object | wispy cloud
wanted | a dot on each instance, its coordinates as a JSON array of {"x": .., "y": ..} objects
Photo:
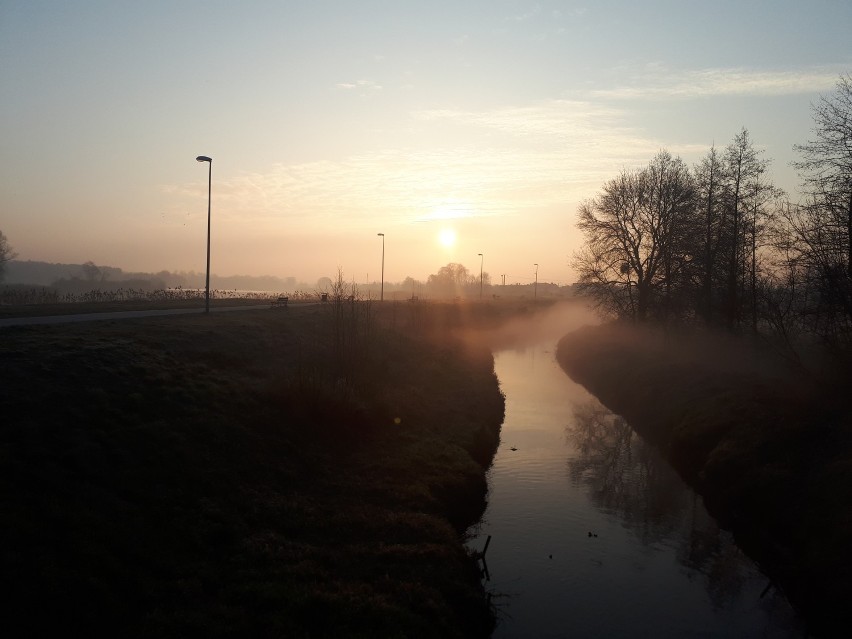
[
  {"x": 502, "y": 161},
  {"x": 358, "y": 84},
  {"x": 657, "y": 83},
  {"x": 534, "y": 11},
  {"x": 512, "y": 160}
]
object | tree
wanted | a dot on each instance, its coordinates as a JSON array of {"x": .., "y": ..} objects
[
  {"x": 826, "y": 166},
  {"x": 6, "y": 254},
  {"x": 763, "y": 200},
  {"x": 635, "y": 232},
  {"x": 451, "y": 280},
  {"x": 671, "y": 196},
  {"x": 821, "y": 228},
  {"x": 743, "y": 168},
  {"x": 711, "y": 193},
  {"x": 92, "y": 272}
]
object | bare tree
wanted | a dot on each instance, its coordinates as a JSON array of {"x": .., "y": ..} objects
[
  {"x": 6, "y": 254},
  {"x": 711, "y": 193},
  {"x": 821, "y": 229},
  {"x": 812, "y": 253},
  {"x": 764, "y": 199},
  {"x": 633, "y": 231},
  {"x": 451, "y": 280},
  {"x": 826, "y": 166},
  {"x": 743, "y": 167},
  {"x": 670, "y": 194}
]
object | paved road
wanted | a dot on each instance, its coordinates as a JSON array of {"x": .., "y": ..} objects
[{"x": 89, "y": 317}]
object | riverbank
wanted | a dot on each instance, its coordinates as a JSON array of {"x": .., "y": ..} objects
[
  {"x": 770, "y": 453},
  {"x": 305, "y": 472}
]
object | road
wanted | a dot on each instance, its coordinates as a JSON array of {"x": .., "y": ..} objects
[{"x": 90, "y": 317}]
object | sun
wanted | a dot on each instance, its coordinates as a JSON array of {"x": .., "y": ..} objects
[{"x": 447, "y": 238}]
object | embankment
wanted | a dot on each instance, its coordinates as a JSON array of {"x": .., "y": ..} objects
[
  {"x": 770, "y": 454},
  {"x": 266, "y": 473}
]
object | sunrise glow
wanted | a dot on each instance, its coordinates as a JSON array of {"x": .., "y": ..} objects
[
  {"x": 447, "y": 238},
  {"x": 327, "y": 126}
]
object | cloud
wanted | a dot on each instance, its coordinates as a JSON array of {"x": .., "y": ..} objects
[
  {"x": 471, "y": 163},
  {"x": 510, "y": 161},
  {"x": 656, "y": 82},
  {"x": 358, "y": 84},
  {"x": 523, "y": 17},
  {"x": 566, "y": 127}
]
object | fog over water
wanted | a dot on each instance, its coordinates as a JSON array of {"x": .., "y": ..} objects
[{"x": 593, "y": 533}]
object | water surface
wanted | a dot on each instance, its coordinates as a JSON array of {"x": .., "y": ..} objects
[{"x": 594, "y": 535}]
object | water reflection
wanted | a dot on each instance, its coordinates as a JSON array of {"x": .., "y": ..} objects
[
  {"x": 628, "y": 477},
  {"x": 656, "y": 564}
]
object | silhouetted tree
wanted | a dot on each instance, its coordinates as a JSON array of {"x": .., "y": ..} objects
[
  {"x": 92, "y": 272},
  {"x": 451, "y": 280},
  {"x": 743, "y": 168},
  {"x": 6, "y": 254},
  {"x": 635, "y": 238},
  {"x": 763, "y": 201},
  {"x": 671, "y": 196},
  {"x": 821, "y": 229},
  {"x": 711, "y": 194},
  {"x": 826, "y": 165}
]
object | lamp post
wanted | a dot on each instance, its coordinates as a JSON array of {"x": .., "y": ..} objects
[
  {"x": 382, "y": 294},
  {"x": 204, "y": 158},
  {"x": 535, "y": 288},
  {"x": 481, "y": 260}
]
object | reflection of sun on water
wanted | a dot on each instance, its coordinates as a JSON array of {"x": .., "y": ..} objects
[{"x": 447, "y": 237}]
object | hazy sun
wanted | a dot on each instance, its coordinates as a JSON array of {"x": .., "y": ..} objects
[{"x": 447, "y": 238}]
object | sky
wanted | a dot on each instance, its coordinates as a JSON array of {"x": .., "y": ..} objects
[{"x": 453, "y": 127}]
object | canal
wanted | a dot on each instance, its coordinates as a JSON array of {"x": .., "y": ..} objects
[{"x": 595, "y": 535}]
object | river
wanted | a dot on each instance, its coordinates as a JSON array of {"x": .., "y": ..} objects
[{"x": 594, "y": 534}]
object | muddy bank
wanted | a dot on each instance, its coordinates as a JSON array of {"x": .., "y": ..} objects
[{"x": 770, "y": 454}]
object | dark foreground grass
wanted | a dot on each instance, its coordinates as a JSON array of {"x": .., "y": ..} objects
[
  {"x": 770, "y": 453},
  {"x": 236, "y": 475}
]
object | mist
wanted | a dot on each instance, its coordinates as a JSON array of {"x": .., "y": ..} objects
[{"x": 538, "y": 326}]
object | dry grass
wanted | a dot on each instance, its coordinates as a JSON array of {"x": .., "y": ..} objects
[{"x": 228, "y": 475}]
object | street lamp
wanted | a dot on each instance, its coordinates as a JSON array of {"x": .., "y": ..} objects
[
  {"x": 535, "y": 288},
  {"x": 382, "y": 294},
  {"x": 481, "y": 260},
  {"x": 204, "y": 158}
]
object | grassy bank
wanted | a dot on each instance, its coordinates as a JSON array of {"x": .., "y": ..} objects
[
  {"x": 264, "y": 473},
  {"x": 770, "y": 453}
]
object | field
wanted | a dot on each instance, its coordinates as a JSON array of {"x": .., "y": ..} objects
[{"x": 304, "y": 472}]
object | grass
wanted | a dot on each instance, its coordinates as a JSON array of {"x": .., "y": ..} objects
[
  {"x": 770, "y": 452},
  {"x": 232, "y": 475}
]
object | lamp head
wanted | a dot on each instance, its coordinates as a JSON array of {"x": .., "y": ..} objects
[
  {"x": 204, "y": 158},
  {"x": 380, "y": 234}
]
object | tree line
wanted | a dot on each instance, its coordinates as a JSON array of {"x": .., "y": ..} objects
[{"x": 718, "y": 244}]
